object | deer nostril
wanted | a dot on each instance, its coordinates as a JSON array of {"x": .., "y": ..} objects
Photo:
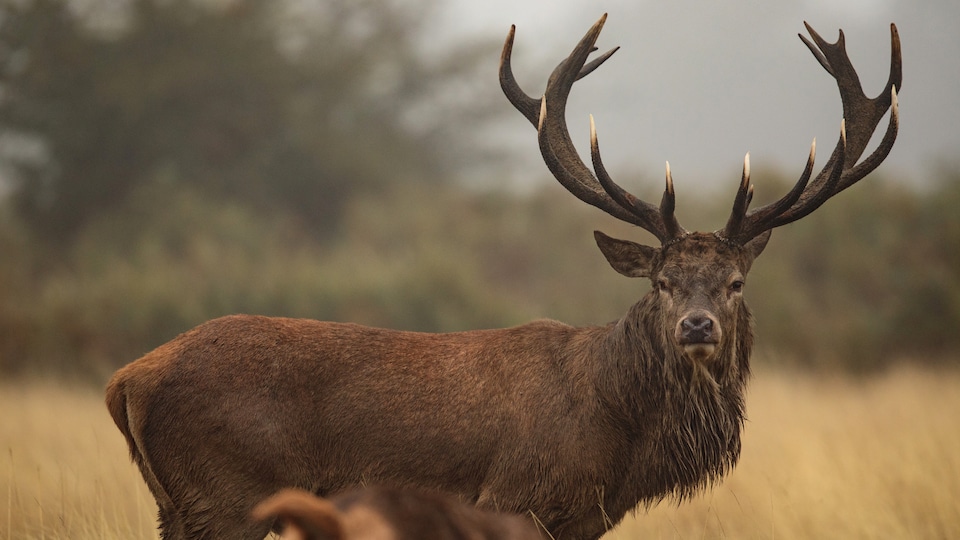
[
  {"x": 697, "y": 328},
  {"x": 698, "y": 323}
]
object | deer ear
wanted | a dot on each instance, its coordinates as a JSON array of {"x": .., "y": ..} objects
[
  {"x": 754, "y": 248},
  {"x": 628, "y": 258}
]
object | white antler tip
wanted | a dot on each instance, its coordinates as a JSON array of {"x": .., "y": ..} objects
[
  {"x": 746, "y": 167},
  {"x": 543, "y": 112},
  {"x": 594, "y": 145}
]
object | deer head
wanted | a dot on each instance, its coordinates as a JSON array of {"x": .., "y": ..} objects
[{"x": 698, "y": 277}]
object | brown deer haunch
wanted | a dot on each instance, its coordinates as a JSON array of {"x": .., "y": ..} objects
[{"x": 574, "y": 426}]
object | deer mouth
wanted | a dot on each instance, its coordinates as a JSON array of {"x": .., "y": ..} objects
[{"x": 699, "y": 352}]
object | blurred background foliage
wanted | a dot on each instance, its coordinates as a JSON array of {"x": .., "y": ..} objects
[{"x": 164, "y": 162}]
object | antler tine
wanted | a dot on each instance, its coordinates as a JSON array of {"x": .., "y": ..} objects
[
  {"x": 660, "y": 222},
  {"x": 528, "y": 106},
  {"x": 668, "y": 204},
  {"x": 741, "y": 201},
  {"x": 861, "y": 117},
  {"x": 871, "y": 162},
  {"x": 557, "y": 148},
  {"x": 595, "y": 63},
  {"x": 588, "y": 193},
  {"x": 813, "y": 198},
  {"x": 765, "y": 215}
]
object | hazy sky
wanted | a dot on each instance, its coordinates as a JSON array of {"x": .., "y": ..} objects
[{"x": 702, "y": 83}]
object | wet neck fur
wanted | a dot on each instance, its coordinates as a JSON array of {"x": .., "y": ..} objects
[{"x": 686, "y": 425}]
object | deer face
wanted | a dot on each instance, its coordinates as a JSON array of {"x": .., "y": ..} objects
[{"x": 698, "y": 282}]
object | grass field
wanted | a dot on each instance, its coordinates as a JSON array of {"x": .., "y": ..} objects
[{"x": 822, "y": 458}]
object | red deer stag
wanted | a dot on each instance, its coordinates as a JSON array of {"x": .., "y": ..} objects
[
  {"x": 383, "y": 513},
  {"x": 575, "y": 426}
]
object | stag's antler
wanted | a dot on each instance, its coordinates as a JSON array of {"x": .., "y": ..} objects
[
  {"x": 547, "y": 115},
  {"x": 861, "y": 117}
]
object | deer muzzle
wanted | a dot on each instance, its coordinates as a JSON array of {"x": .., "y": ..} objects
[{"x": 698, "y": 333}]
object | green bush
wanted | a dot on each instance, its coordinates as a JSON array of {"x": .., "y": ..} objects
[{"x": 869, "y": 279}]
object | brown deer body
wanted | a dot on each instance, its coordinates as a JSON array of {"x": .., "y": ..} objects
[{"x": 574, "y": 426}]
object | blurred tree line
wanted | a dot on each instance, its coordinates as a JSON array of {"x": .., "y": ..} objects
[
  {"x": 164, "y": 162},
  {"x": 289, "y": 106}
]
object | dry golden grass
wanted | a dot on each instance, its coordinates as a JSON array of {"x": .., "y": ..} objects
[
  {"x": 822, "y": 458},
  {"x": 833, "y": 458},
  {"x": 67, "y": 472}
]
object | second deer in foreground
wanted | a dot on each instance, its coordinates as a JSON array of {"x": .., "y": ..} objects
[
  {"x": 379, "y": 513},
  {"x": 573, "y": 426}
]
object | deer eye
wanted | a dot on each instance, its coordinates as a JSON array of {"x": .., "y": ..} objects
[{"x": 736, "y": 286}]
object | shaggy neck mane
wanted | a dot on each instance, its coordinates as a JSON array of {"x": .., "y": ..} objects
[{"x": 686, "y": 425}]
